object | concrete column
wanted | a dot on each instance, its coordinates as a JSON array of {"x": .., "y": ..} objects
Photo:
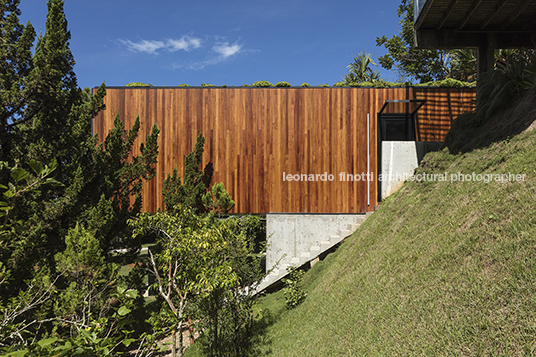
[{"x": 485, "y": 56}]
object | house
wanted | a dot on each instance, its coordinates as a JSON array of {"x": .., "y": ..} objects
[{"x": 308, "y": 158}]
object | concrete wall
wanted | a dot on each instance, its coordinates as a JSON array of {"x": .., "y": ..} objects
[
  {"x": 289, "y": 235},
  {"x": 399, "y": 161}
]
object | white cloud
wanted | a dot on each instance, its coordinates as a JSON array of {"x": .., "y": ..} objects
[
  {"x": 151, "y": 47},
  {"x": 224, "y": 50},
  {"x": 184, "y": 43},
  {"x": 216, "y": 49}
]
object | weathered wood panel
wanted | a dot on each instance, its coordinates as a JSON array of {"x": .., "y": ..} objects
[{"x": 254, "y": 135}]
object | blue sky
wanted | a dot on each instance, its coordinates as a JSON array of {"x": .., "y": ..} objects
[{"x": 230, "y": 42}]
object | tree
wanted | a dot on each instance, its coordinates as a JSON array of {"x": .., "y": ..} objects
[
  {"x": 226, "y": 314},
  {"x": 210, "y": 264},
  {"x": 194, "y": 186},
  {"x": 193, "y": 192},
  {"x": 423, "y": 65},
  {"x": 360, "y": 71},
  {"x": 189, "y": 262},
  {"x": 101, "y": 185},
  {"x": 46, "y": 125},
  {"x": 15, "y": 61}
]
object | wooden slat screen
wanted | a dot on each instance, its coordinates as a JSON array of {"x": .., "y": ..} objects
[{"x": 254, "y": 135}]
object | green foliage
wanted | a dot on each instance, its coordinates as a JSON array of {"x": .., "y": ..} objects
[
  {"x": 323, "y": 85},
  {"x": 377, "y": 84},
  {"x": 86, "y": 281},
  {"x": 82, "y": 258},
  {"x": 218, "y": 200},
  {"x": 226, "y": 315},
  {"x": 66, "y": 199},
  {"x": 192, "y": 190},
  {"x": 502, "y": 87},
  {"x": 495, "y": 118},
  {"x": 138, "y": 84},
  {"x": 262, "y": 84},
  {"x": 463, "y": 65},
  {"x": 359, "y": 70},
  {"x": 15, "y": 56},
  {"x": 208, "y": 85},
  {"x": 305, "y": 84},
  {"x": 23, "y": 183},
  {"x": 282, "y": 84},
  {"x": 183, "y": 85},
  {"x": 97, "y": 337},
  {"x": 206, "y": 271},
  {"x": 423, "y": 65},
  {"x": 449, "y": 83},
  {"x": 194, "y": 261},
  {"x": 294, "y": 294}
]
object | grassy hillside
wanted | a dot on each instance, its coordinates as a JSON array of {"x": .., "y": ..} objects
[{"x": 441, "y": 269}]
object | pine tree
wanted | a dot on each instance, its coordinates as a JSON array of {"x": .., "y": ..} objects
[
  {"x": 101, "y": 185},
  {"x": 193, "y": 188},
  {"x": 56, "y": 231},
  {"x": 15, "y": 63}
]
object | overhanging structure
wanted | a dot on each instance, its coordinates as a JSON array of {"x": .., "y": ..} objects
[
  {"x": 278, "y": 150},
  {"x": 482, "y": 24}
]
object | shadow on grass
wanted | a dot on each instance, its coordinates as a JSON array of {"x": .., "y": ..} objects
[{"x": 471, "y": 131}]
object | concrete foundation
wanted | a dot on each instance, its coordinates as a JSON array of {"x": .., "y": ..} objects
[
  {"x": 291, "y": 237},
  {"x": 399, "y": 161}
]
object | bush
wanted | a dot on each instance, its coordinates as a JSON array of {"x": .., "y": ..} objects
[
  {"x": 323, "y": 85},
  {"x": 305, "y": 84},
  {"x": 294, "y": 294},
  {"x": 378, "y": 84},
  {"x": 208, "y": 85},
  {"x": 282, "y": 84},
  {"x": 183, "y": 85},
  {"x": 262, "y": 84},
  {"x": 138, "y": 84},
  {"x": 448, "y": 82}
]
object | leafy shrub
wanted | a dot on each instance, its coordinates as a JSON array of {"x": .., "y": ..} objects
[
  {"x": 378, "y": 84},
  {"x": 502, "y": 87},
  {"x": 282, "y": 84},
  {"x": 183, "y": 85},
  {"x": 448, "y": 82},
  {"x": 262, "y": 84},
  {"x": 305, "y": 84},
  {"x": 323, "y": 85},
  {"x": 294, "y": 294},
  {"x": 339, "y": 84},
  {"x": 138, "y": 84},
  {"x": 208, "y": 85}
]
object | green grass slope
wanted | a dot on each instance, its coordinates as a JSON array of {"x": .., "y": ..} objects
[{"x": 441, "y": 269}]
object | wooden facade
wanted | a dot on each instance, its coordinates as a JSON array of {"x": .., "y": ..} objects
[{"x": 256, "y": 137}]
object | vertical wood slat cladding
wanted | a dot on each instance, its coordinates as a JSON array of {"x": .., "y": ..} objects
[
  {"x": 253, "y": 135},
  {"x": 442, "y": 107}
]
